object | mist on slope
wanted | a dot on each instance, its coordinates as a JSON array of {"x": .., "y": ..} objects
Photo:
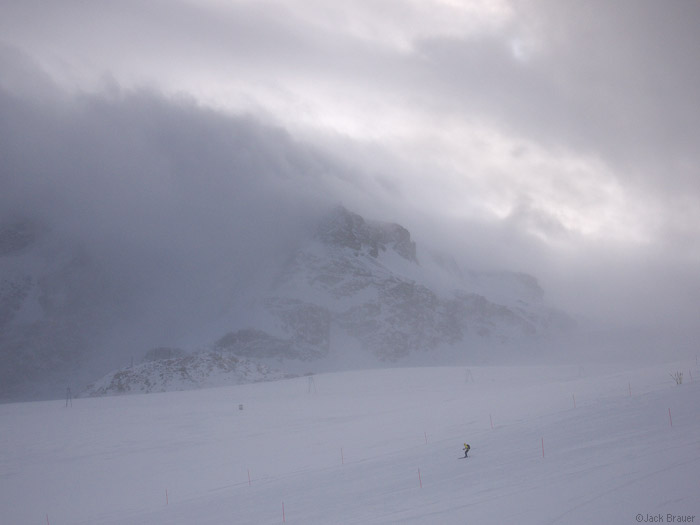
[{"x": 156, "y": 213}]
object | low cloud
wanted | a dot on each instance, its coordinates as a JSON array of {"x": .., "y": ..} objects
[{"x": 553, "y": 138}]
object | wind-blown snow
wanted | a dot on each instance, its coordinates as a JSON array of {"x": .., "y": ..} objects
[{"x": 348, "y": 447}]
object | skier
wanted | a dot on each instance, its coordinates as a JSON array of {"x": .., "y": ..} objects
[{"x": 466, "y": 450}]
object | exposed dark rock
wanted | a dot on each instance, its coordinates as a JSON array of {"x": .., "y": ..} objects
[{"x": 349, "y": 230}]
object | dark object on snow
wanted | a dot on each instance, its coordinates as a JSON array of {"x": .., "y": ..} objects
[{"x": 466, "y": 450}]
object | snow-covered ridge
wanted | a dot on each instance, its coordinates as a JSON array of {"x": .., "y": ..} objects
[
  {"x": 363, "y": 281},
  {"x": 354, "y": 287},
  {"x": 204, "y": 369}
]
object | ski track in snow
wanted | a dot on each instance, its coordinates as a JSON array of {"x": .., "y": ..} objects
[{"x": 350, "y": 450}]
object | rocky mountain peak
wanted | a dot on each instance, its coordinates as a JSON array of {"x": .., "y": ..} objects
[{"x": 345, "y": 229}]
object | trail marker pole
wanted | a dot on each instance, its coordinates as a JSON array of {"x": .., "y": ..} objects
[
  {"x": 420, "y": 482},
  {"x": 468, "y": 377}
]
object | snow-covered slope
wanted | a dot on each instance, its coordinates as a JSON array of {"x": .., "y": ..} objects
[
  {"x": 361, "y": 285},
  {"x": 550, "y": 445}
]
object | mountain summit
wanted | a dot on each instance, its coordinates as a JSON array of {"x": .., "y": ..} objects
[
  {"x": 344, "y": 229},
  {"x": 356, "y": 292}
]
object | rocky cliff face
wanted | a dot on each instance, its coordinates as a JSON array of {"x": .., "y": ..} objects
[
  {"x": 363, "y": 280},
  {"x": 349, "y": 231}
]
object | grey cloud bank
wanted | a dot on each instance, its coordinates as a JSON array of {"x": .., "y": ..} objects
[{"x": 184, "y": 143}]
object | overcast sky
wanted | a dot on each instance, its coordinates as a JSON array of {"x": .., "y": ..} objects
[{"x": 555, "y": 137}]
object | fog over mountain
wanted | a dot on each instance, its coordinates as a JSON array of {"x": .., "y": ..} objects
[
  {"x": 166, "y": 173},
  {"x": 128, "y": 232}
]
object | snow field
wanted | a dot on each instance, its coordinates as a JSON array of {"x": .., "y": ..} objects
[{"x": 349, "y": 450}]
